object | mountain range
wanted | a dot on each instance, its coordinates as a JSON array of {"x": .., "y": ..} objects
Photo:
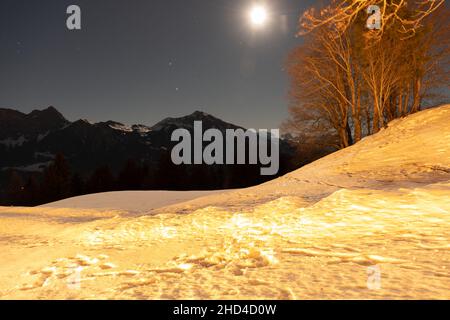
[{"x": 29, "y": 142}]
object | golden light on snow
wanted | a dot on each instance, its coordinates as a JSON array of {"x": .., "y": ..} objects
[
  {"x": 258, "y": 15},
  {"x": 372, "y": 222},
  {"x": 185, "y": 266}
]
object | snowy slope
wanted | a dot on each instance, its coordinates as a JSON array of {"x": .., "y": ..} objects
[
  {"x": 380, "y": 207},
  {"x": 138, "y": 202}
]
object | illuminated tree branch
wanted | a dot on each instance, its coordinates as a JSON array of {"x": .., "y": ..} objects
[{"x": 340, "y": 14}]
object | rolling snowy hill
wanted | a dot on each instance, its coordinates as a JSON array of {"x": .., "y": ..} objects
[{"x": 380, "y": 207}]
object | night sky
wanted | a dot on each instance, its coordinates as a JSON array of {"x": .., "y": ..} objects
[{"x": 139, "y": 61}]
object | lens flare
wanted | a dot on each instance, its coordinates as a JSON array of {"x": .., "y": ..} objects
[{"x": 258, "y": 15}]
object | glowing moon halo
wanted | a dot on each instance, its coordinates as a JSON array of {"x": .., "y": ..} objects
[{"x": 258, "y": 16}]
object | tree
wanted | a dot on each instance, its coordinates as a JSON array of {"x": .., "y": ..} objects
[
  {"x": 342, "y": 14},
  {"x": 170, "y": 176},
  {"x": 77, "y": 185},
  {"x": 346, "y": 83},
  {"x": 325, "y": 84},
  {"x": 31, "y": 191},
  {"x": 56, "y": 184},
  {"x": 15, "y": 190},
  {"x": 102, "y": 180},
  {"x": 130, "y": 177},
  {"x": 310, "y": 133}
]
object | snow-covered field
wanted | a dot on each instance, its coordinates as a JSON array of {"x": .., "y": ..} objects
[
  {"x": 137, "y": 202},
  {"x": 371, "y": 221}
]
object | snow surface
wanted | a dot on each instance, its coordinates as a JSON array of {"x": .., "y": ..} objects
[
  {"x": 10, "y": 142},
  {"x": 121, "y": 127},
  {"x": 322, "y": 231},
  {"x": 131, "y": 201},
  {"x": 35, "y": 167},
  {"x": 141, "y": 129}
]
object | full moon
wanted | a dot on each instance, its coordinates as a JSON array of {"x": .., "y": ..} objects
[{"x": 258, "y": 15}]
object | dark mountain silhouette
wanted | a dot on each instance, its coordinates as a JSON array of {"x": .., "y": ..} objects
[
  {"x": 15, "y": 124},
  {"x": 30, "y": 142}
]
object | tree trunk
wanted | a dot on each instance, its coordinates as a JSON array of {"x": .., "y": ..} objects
[
  {"x": 376, "y": 116},
  {"x": 357, "y": 117},
  {"x": 416, "y": 101},
  {"x": 349, "y": 135}
]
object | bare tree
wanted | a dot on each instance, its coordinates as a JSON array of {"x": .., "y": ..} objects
[
  {"x": 325, "y": 76},
  {"x": 382, "y": 74},
  {"x": 342, "y": 14},
  {"x": 346, "y": 85}
]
